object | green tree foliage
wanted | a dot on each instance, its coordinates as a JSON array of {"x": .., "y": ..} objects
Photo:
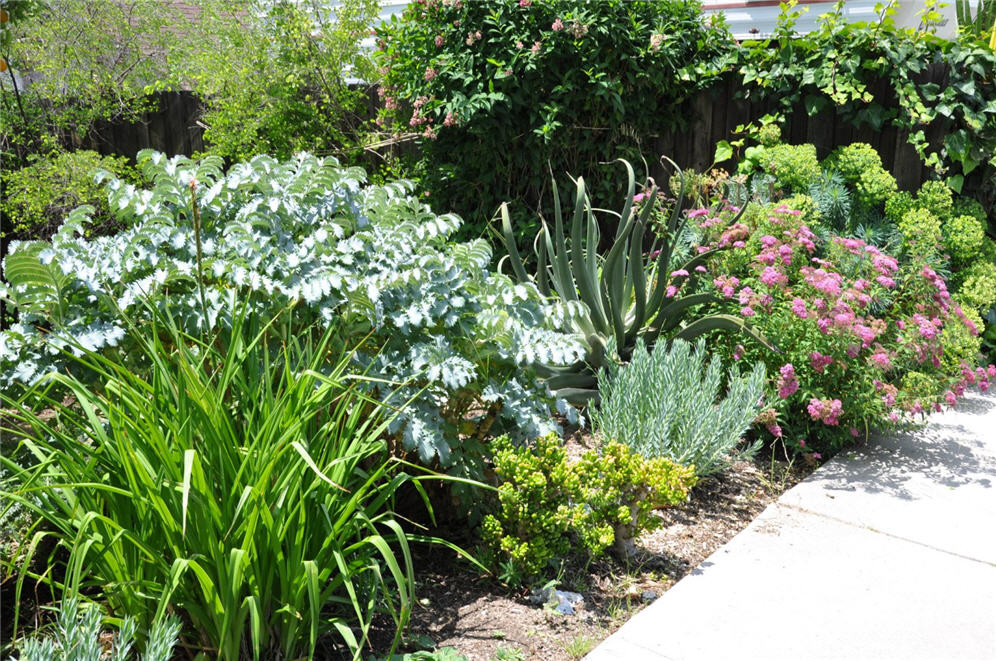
[
  {"x": 498, "y": 92},
  {"x": 273, "y": 75},
  {"x": 72, "y": 62}
]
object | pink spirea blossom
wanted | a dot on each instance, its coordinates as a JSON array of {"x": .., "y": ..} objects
[
  {"x": 772, "y": 276},
  {"x": 727, "y": 285},
  {"x": 775, "y": 430},
  {"x": 557, "y": 26},
  {"x": 819, "y": 362},
  {"x": 439, "y": 40},
  {"x": 747, "y": 311},
  {"x": 799, "y": 308},
  {"x": 881, "y": 359},
  {"x": 788, "y": 384},
  {"x": 885, "y": 281},
  {"x": 430, "y": 73},
  {"x": 825, "y": 410}
]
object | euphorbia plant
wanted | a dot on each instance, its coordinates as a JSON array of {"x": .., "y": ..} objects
[{"x": 615, "y": 297}]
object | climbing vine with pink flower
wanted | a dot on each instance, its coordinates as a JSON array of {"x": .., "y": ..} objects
[{"x": 498, "y": 93}]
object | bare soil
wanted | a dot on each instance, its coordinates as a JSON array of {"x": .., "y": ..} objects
[{"x": 484, "y": 620}]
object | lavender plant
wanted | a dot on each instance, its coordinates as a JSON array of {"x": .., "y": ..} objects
[
  {"x": 669, "y": 403},
  {"x": 76, "y": 636}
]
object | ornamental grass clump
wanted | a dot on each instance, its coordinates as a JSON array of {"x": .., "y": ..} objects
[
  {"x": 670, "y": 403},
  {"x": 242, "y": 481}
]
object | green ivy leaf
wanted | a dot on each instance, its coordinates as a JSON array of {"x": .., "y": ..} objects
[{"x": 724, "y": 152}]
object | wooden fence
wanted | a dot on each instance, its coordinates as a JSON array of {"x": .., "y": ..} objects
[
  {"x": 172, "y": 129},
  {"x": 715, "y": 113}
]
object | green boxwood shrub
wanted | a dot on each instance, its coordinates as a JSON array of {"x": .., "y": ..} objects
[{"x": 550, "y": 507}]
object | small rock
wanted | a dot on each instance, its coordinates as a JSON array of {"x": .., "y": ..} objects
[
  {"x": 561, "y": 601},
  {"x": 648, "y": 596}
]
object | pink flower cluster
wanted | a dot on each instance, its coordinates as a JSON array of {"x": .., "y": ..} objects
[
  {"x": 788, "y": 384},
  {"x": 825, "y": 410},
  {"x": 819, "y": 362},
  {"x": 849, "y": 306}
]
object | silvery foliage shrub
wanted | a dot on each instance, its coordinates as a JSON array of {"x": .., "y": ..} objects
[
  {"x": 76, "y": 637},
  {"x": 305, "y": 232},
  {"x": 668, "y": 403}
]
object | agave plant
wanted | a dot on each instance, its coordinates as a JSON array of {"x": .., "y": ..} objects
[{"x": 614, "y": 299}]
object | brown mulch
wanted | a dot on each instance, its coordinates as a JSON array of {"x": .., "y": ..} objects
[{"x": 484, "y": 620}]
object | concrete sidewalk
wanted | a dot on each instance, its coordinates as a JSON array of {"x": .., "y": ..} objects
[{"x": 886, "y": 552}]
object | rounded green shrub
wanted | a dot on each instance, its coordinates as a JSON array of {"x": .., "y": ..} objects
[
  {"x": 621, "y": 489},
  {"x": 550, "y": 507},
  {"x": 769, "y": 134},
  {"x": 861, "y": 166},
  {"x": 960, "y": 344},
  {"x": 537, "y": 503},
  {"x": 967, "y": 206},
  {"x": 795, "y": 167},
  {"x": 38, "y": 197},
  {"x": 978, "y": 286},
  {"x": 936, "y": 197},
  {"x": 963, "y": 238},
  {"x": 898, "y": 205},
  {"x": 921, "y": 231}
]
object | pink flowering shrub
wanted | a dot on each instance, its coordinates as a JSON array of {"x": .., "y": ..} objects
[{"x": 851, "y": 321}]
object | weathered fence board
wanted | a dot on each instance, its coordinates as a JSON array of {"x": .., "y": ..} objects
[{"x": 714, "y": 114}]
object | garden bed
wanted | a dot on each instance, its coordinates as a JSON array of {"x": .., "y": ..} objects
[{"x": 483, "y": 620}]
